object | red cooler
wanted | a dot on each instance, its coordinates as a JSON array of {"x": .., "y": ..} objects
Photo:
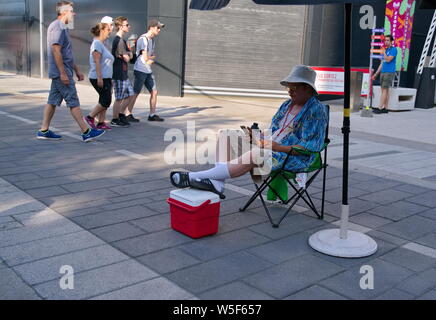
[{"x": 194, "y": 213}]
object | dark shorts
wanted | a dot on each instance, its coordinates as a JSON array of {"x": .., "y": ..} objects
[
  {"x": 105, "y": 93},
  {"x": 144, "y": 79},
  {"x": 386, "y": 80},
  {"x": 60, "y": 92}
]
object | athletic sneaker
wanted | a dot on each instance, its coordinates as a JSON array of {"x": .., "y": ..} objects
[
  {"x": 103, "y": 126},
  {"x": 123, "y": 119},
  {"x": 377, "y": 111},
  {"x": 155, "y": 118},
  {"x": 49, "y": 135},
  {"x": 119, "y": 124},
  {"x": 90, "y": 122},
  {"x": 92, "y": 134},
  {"x": 384, "y": 111},
  {"x": 131, "y": 118}
]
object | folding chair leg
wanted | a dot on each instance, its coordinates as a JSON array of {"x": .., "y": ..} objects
[{"x": 255, "y": 195}]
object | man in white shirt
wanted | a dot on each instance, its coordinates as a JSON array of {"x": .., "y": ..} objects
[{"x": 143, "y": 71}]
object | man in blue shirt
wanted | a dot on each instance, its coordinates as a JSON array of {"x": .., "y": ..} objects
[{"x": 387, "y": 68}]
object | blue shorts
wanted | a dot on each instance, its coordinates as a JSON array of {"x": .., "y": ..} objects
[
  {"x": 60, "y": 92},
  {"x": 144, "y": 79}
]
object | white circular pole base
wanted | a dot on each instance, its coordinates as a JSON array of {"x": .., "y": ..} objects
[{"x": 357, "y": 245}]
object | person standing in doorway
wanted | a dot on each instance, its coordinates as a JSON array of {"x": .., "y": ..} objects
[
  {"x": 61, "y": 68},
  {"x": 387, "y": 69},
  {"x": 143, "y": 71}
]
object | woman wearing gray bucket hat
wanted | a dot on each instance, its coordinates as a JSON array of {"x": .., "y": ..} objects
[{"x": 300, "y": 122}]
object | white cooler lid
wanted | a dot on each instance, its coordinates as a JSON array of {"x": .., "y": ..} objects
[{"x": 194, "y": 197}]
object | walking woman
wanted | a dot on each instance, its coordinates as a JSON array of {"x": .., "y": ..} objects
[{"x": 100, "y": 75}]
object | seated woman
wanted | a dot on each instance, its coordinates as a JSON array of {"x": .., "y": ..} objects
[{"x": 300, "y": 122}]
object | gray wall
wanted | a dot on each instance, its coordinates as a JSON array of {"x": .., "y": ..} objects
[
  {"x": 243, "y": 45},
  {"x": 13, "y": 36}
]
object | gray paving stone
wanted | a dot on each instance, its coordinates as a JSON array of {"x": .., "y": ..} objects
[
  {"x": 386, "y": 196},
  {"x": 335, "y": 196},
  {"x": 19, "y": 204},
  {"x": 356, "y": 206},
  {"x": 10, "y": 226},
  {"x": 8, "y": 189},
  {"x": 44, "y": 183},
  {"x": 7, "y": 219},
  {"x": 38, "y": 229},
  {"x": 138, "y": 202},
  {"x": 117, "y": 232},
  {"x": 86, "y": 259},
  {"x": 398, "y": 210},
  {"x": 13, "y": 288},
  {"x": 316, "y": 293},
  {"x": 49, "y": 247},
  {"x": 395, "y": 294},
  {"x": 156, "y": 289},
  {"x": 142, "y": 245},
  {"x": 142, "y": 187},
  {"x": 60, "y": 201},
  {"x": 240, "y": 220},
  {"x": 168, "y": 260},
  {"x": 427, "y": 199},
  {"x": 410, "y": 188},
  {"x": 101, "y": 183},
  {"x": 220, "y": 245},
  {"x": 21, "y": 177},
  {"x": 111, "y": 217},
  {"x": 152, "y": 224},
  {"x": 431, "y": 214},
  {"x": 233, "y": 206},
  {"x": 411, "y": 228},
  {"x": 377, "y": 235},
  {"x": 44, "y": 192},
  {"x": 215, "y": 273},
  {"x": 235, "y": 291},
  {"x": 158, "y": 206},
  {"x": 369, "y": 220},
  {"x": 293, "y": 224},
  {"x": 292, "y": 276},
  {"x": 429, "y": 296},
  {"x": 419, "y": 284},
  {"x": 409, "y": 259},
  {"x": 285, "y": 249},
  {"x": 428, "y": 240},
  {"x": 84, "y": 208},
  {"x": 378, "y": 184},
  {"x": 99, "y": 281},
  {"x": 363, "y": 177},
  {"x": 386, "y": 277}
]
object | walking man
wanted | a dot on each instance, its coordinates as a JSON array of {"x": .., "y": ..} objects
[
  {"x": 143, "y": 71},
  {"x": 61, "y": 67},
  {"x": 387, "y": 68},
  {"x": 121, "y": 83}
]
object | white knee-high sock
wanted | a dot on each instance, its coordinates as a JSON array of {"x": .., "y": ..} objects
[{"x": 217, "y": 175}]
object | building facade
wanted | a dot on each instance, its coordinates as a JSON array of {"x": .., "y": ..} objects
[{"x": 241, "y": 49}]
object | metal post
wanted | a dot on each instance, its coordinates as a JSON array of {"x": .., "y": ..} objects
[
  {"x": 347, "y": 122},
  {"x": 41, "y": 37}
]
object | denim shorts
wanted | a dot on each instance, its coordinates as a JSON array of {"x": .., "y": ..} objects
[
  {"x": 144, "y": 79},
  {"x": 60, "y": 92},
  {"x": 105, "y": 93}
]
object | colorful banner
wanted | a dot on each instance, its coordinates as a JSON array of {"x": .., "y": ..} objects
[{"x": 399, "y": 24}]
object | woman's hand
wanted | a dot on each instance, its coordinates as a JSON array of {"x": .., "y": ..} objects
[{"x": 100, "y": 83}]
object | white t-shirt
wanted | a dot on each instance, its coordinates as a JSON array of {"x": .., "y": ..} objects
[{"x": 144, "y": 44}]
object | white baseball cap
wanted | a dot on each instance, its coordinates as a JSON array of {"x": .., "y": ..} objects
[{"x": 107, "y": 19}]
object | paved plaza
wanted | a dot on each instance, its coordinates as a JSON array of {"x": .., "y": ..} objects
[{"x": 101, "y": 208}]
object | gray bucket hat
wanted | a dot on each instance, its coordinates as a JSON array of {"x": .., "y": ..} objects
[{"x": 301, "y": 74}]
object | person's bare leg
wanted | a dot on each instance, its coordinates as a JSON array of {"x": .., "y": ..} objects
[
  {"x": 78, "y": 116},
  {"x": 127, "y": 106},
  {"x": 102, "y": 116},
  {"x": 387, "y": 99},
  {"x": 383, "y": 98},
  {"x": 153, "y": 101},
  {"x": 97, "y": 110},
  {"x": 116, "y": 109},
  {"x": 245, "y": 164},
  {"x": 223, "y": 149},
  {"x": 132, "y": 102},
  {"x": 49, "y": 112}
]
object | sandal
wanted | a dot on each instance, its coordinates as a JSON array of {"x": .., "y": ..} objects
[
  {"x": 183, "y": 179},
  {"x": 206, "y": 185}
]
